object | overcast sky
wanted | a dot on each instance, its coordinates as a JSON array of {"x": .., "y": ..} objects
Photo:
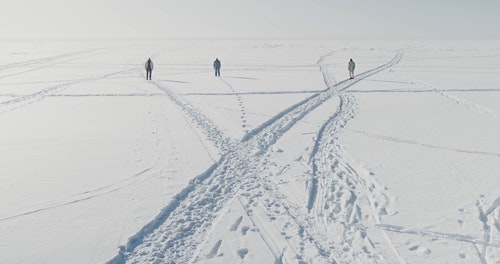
[{"x": 283, "y": 19}]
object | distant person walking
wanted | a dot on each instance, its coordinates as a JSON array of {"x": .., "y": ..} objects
[
  {"x": 217, "y": 67},
  {"x": 351, "y": 68},
  {"x": 149, "y": 69}
]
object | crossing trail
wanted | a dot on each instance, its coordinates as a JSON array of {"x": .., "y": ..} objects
[
  {"x": 283, "y": 160},
  {"x": 184, "y": 223}
]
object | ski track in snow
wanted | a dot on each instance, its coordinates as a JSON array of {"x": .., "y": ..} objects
[
  {"x": 416, "y": 143},
  {"x": 144, "y": 173},
  {"x": 255, "y": 93},
  {"x": 445, "y": 93},
  {"x": 20, "y": 101},
  {"x": 487, "y": 247},
  {"x": 86, "y": 195},
  {"x": 175, "y": 234},
  {"x": 25, "y": 100},
  {"x": 44, "y": 62},
  {"x": 95, "y": 94},
  {"x": 341, "y": 198}
]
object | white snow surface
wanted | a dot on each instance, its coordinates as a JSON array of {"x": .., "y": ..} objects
[{"x": 282, "y": 159}]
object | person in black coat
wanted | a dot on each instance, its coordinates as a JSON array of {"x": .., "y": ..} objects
[
  {"x": 217, "y": 67},
  {"x": 351, "y": 65},
  {"x": 149, "y": 69}
]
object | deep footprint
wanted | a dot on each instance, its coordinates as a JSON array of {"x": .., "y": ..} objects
[
  {"x": 215, "y": 249},
  {"x": 235, "y": 225},
  {"x": 242, "y": 252}
]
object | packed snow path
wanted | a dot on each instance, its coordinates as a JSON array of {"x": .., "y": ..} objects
[{"x": 174, "y": 235}]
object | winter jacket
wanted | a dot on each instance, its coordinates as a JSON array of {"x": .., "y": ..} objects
[
  {"x": 217, "y": 64},
  {"x": 149, "y": 65},
  {"x": 351, "y": 66}
]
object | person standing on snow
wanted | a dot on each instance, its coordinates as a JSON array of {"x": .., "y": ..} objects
[
  {"x": 217, "y": 67},
  {"x": 351, "y": 67},
  {"x": 149, "y": 69}
]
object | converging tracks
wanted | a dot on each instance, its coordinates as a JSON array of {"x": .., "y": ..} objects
[{"x": 174, "y": 235}]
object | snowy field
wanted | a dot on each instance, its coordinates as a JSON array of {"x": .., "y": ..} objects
[{"x": 282, "y": 159}]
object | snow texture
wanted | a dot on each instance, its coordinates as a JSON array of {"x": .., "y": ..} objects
[{"x": 282, "y": 159}]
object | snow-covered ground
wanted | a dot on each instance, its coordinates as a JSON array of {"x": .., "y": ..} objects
[{"x": 282, "y": 159}]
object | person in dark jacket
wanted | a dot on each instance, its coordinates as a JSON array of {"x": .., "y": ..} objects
[
  {"x": 149, "y": 69},
  {"x": 351, "y": 67},
  {"x": 217, "y": 67}
]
